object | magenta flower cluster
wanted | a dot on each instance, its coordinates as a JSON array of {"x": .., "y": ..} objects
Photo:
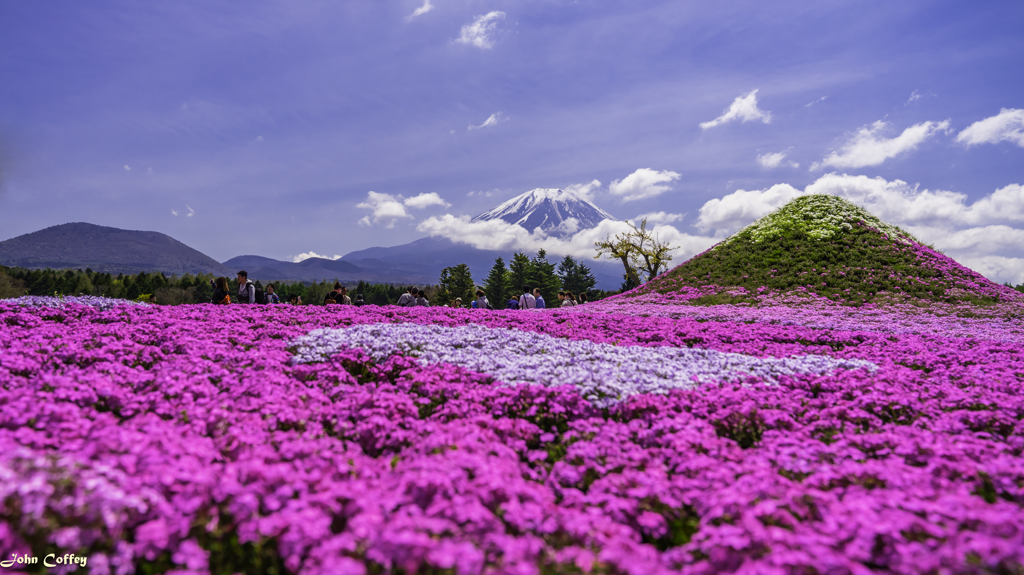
[{"x": 188, "y": 440}]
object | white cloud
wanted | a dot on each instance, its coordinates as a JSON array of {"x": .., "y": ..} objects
[
  {"x": 819, "y": 100},
  {"x": 774, "y": 160},
  {"x": 743, "y": 108},
  {"x": 643, "y": 183},
  {"x": 174, "y": 212},
  {"x": 997, "y": 268},
  {"x": 733, "y": 211},
  {"x": 190, "y": 213},
  {"x": 501, "y": 235},
  {"x": 308, "y": 255},
  {"x": 258, "y": 139},
  {"x": 149, "y": 171},
  {"x": 585, "y": 191},
  {"x": 427, "y": 7},
  {"x": 658, "y": 218},
  {"x": 127, "y": 168},
  {"x": 869, "y": 147},
  {"x": 387, "y": 209},
  {"x": 1006, "y": 126},
  {"x": 914, "y": 96},
  {"x": 899, "y": 202},
  {"x": 478, "y": 32},
  {"x": 492, "y": 120},
  {"x": 425, "y": 200}
]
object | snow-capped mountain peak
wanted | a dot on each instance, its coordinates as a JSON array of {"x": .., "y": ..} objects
[{"x": 548, "y": 209}]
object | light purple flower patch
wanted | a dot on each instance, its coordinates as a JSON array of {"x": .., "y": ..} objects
[{"x": 603, "y": 373}]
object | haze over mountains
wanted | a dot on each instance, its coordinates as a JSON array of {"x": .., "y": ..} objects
[{"x": 558, "y": 213}]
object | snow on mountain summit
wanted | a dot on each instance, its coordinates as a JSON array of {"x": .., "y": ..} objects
[{"x": 548, "y": 209}]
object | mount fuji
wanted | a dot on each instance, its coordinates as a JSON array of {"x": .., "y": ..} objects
[
  {"x": 550, "y": 209},
  {"x": 559, "y": 213}
]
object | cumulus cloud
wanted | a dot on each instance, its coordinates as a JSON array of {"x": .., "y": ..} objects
[
  {"x": 774, "y": 160},
  {"x": 308, "y": 255},
  {"x": 388, "y": 209},
  {"x": 869, "y": 146},
  {"x": 733, "y": 211},
  {"x": 978, "y": 234},
  {"x": 485, "y": 194},
  {"x": 480, "y": 31},
  {"x": 493, "y": 120},
  {"x": 1006, "y": 126},
  {"x": 426, "y": 200},
  {"x": 501, "y": 235},
  {"x": 174, "y": 212},
  {"x": 127, "y": 168},
  {"x": 658, "y": 218},
  {"x": 643, "y": 183},
  {"x": 585, "y": 191},
  {"x": 743, "y": 108},
  {"x": 427, "y": 7},
  {"x": 915, "y": 96}
]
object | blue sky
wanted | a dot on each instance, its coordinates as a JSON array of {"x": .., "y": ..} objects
[{"x": 264, "y": 125}]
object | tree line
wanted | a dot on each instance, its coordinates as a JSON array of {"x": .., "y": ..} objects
[
  {"x": 501, "y": 283},
  {"x": 504, "y": 282}
]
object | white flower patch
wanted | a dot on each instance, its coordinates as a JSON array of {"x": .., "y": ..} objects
[
  {"x": 602, "y": 373},
  {"x": 821, "y": 217}
]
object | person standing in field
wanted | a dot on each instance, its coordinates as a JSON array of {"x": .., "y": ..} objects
[
  {"x": 569, "y": 300},
  {"x": 527, "y": 301},
  {"x": 271, "y": 296},
  {"x": 221, "y": 291},
  {"x": 407, "y": 299},
  {"x": 246, "y": 289},
  {"x": 539, "y": 299},
  {"x": 481, "y": 300}
]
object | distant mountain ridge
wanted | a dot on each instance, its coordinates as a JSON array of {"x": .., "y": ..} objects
[
  {"x": 81, "y": 245},
  {"x": 105, "y": 249}
]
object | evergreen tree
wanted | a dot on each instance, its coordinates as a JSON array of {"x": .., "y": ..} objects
[
  {"x": 576, "y": 276},
  {"x": 496, "y": 285},
  {"x": 455, "y": 282},
  {"x": 543, "y": 277},
  {"x": 520, "y": 272}
]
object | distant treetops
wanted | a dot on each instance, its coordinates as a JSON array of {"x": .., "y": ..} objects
[{"x": 827, "y": 247}]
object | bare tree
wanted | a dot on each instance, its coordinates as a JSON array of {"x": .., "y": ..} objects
[{"x": 642, "y": 253}]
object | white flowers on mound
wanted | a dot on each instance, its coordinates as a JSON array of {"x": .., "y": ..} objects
[
  {"x": 821, "y": 217},
  {"x": 603, "y": 373}
]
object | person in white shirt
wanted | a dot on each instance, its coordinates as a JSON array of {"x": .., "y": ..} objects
[{"x": 527, "y": 301}]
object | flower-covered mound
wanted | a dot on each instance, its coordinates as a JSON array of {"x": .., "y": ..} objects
[
  {"x": 185, "y": 439},
  {"x": 602, "y": 373},
  {"x": 825, "y": 247}
]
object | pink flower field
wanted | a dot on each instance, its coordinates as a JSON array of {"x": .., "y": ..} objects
[{"x": 627, "y": 436}]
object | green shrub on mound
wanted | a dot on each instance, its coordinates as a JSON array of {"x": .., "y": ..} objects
[{"x": 828, "y": 247}]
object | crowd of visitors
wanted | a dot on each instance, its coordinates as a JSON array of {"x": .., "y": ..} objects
[{"x": 412, "y": 297}]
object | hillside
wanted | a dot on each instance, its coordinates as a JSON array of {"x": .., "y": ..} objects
[
  {"x": 104, "y": 249},
  {"x": 828, "y": 247}
]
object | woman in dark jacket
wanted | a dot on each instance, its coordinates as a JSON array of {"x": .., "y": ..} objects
[{"x": 221, "y": 291}]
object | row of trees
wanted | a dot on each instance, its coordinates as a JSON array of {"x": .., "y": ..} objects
[
  {"x": 504, "y": 282},
  {"x": 168, "y": 290}
]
